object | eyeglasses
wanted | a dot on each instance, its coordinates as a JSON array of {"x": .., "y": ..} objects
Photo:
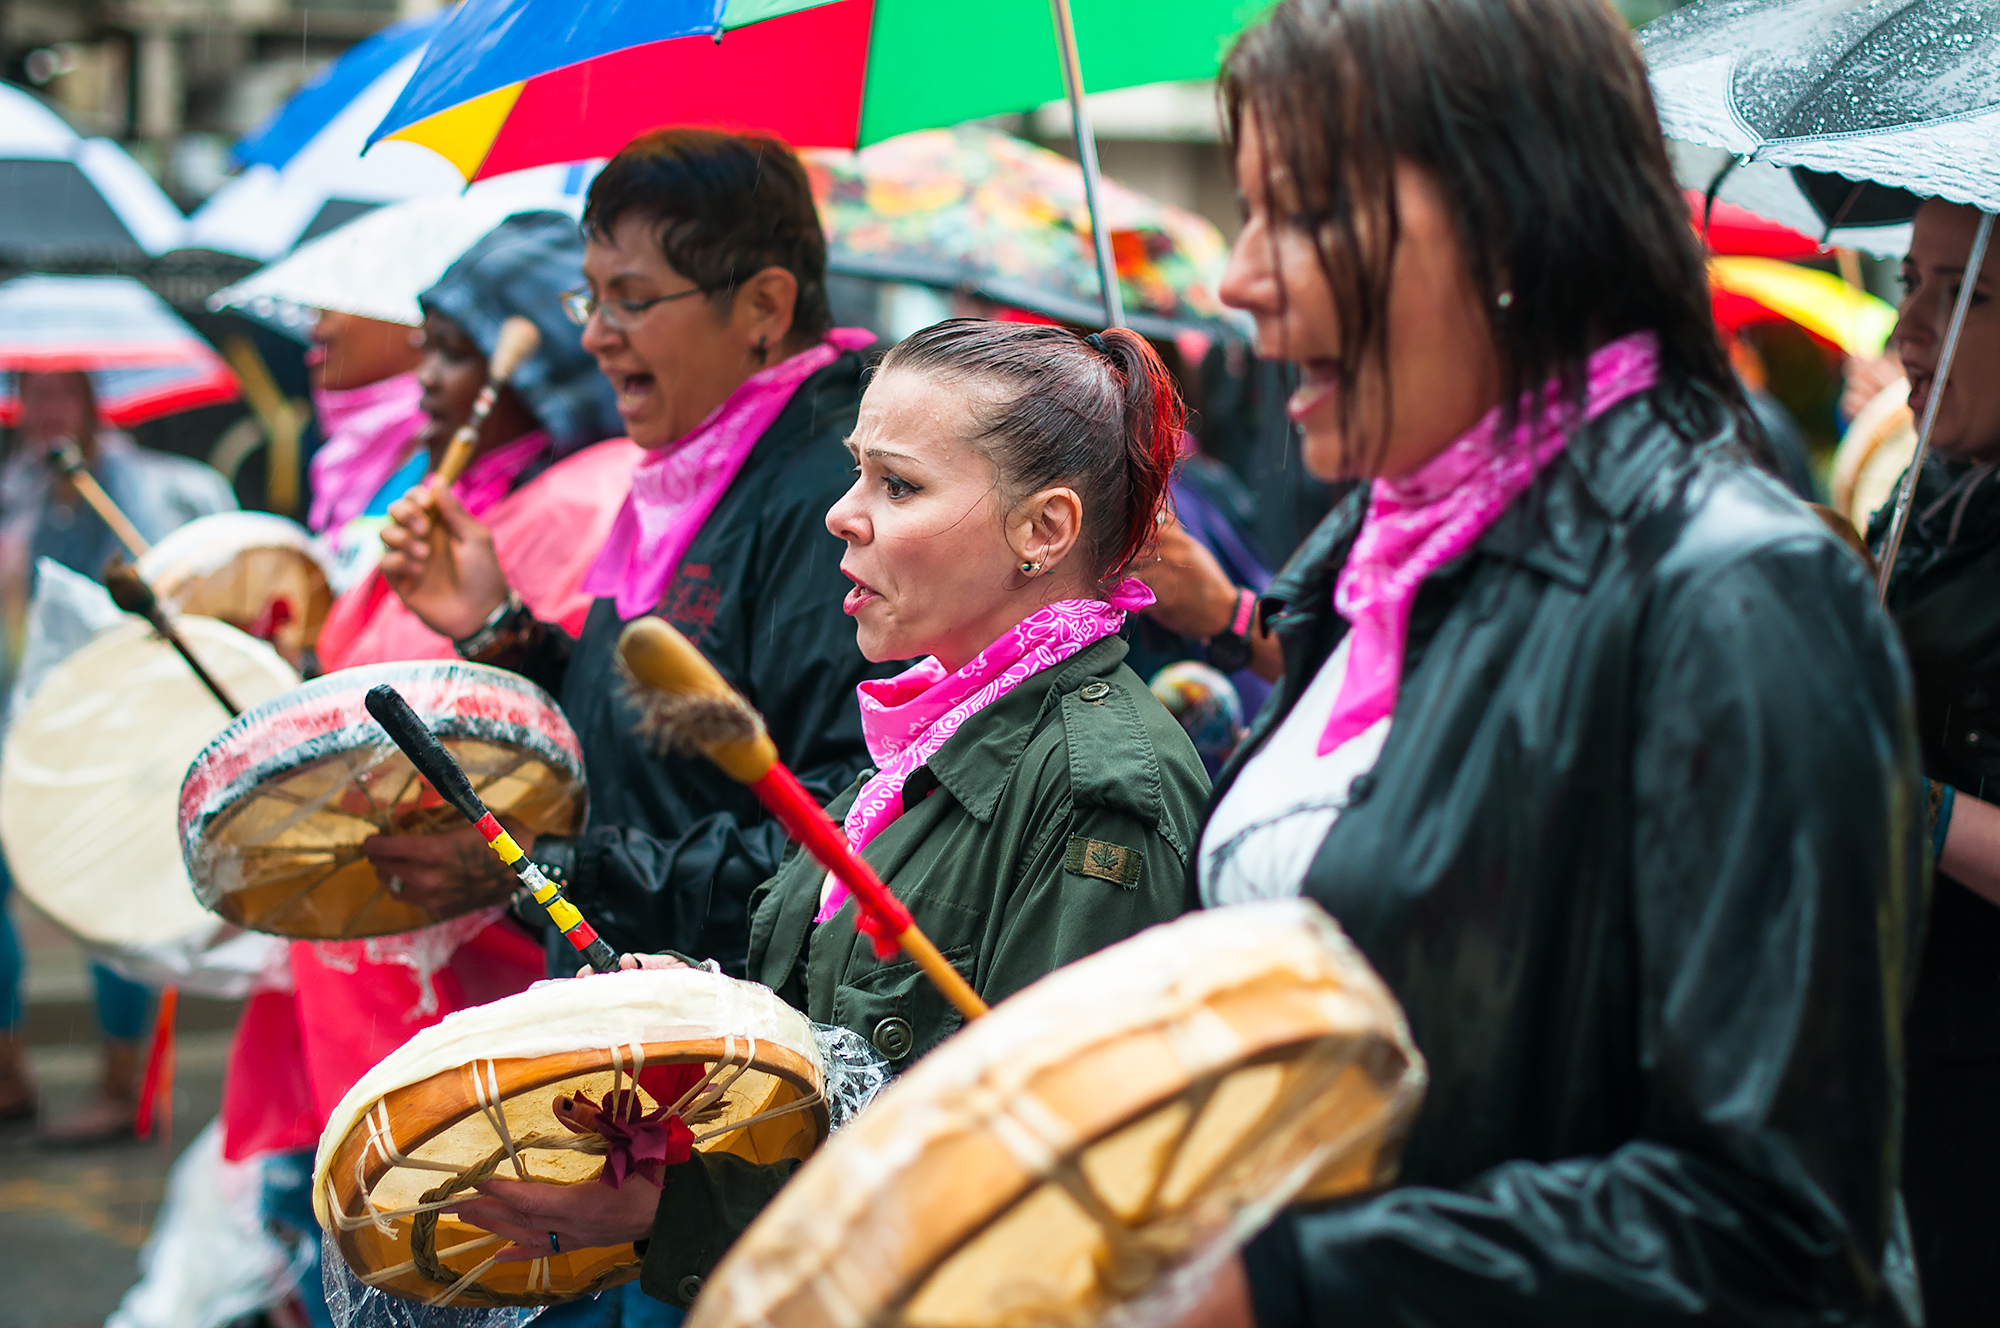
[{"x": 618, "y": 315}]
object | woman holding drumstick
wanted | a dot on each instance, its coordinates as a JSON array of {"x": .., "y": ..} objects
[{"x": 1032, "y": 802}]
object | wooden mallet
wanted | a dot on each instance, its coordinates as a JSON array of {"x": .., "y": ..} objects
[
  {"x": 685, "y": 703},
  {"x": 518, "y": 339}
]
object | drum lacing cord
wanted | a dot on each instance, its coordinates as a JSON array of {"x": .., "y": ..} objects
[
  {"x": 486, "y": 1091},
  {"x": 704, "y": 1095}
]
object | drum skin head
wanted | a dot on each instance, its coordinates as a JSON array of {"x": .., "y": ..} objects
[
  {"x": 1092, "y": 1149},
  {"x": 390, "y": 1144},
  {"x": 92, "y": 768},
  {"x": 274, "y": 811},
  {"x": 257, "y": 572}
]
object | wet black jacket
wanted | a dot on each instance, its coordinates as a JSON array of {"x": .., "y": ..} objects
[
  {"x": 1640, "y": 859},
  {"x": 674, "y": 847},
  {"x": 1945, "y": 595}
]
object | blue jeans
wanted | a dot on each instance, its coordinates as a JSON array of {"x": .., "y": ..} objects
[
  {"x": 288, "y": 1210},
  {"x": 621, "y": 1307},
  {"x": 10, "y": 957}
]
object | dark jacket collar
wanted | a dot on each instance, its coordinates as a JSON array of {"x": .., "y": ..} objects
[{"x": 1559, "y": 527}]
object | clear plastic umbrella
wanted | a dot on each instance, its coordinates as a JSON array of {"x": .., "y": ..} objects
[{"x": 1868, "y": 106}]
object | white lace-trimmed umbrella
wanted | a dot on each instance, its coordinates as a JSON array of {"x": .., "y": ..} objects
[
  {"x": 64, "y": 197},
  {"x": 1866, "y": 106},
  {"x": 377, "y": 264}
]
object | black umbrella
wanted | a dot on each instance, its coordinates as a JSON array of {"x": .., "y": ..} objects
[{"x": 1868, "y": 105}]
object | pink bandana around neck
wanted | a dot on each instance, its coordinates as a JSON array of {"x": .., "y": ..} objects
[
  {"x": 368, "y": 431},
  {"x": 675, "y": 488},
  {"x": 905, "y": 719},
  {"x": 1418, "y": 522},
  {"x": 491, "y": 475}
]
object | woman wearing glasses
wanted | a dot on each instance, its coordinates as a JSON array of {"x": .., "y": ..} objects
[
  {"x": 705, "y": 307},
  {"x": 540, "y": 478}
]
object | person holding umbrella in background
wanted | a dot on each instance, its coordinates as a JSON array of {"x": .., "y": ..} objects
[
  {"x": 1945, "y": 594},
  {"x": 368, "y": 403},
  {"x": 41, "y": 516}
]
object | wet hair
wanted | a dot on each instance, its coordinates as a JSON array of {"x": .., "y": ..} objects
[
  {"x": 724, "y": 208},
  {"x": 1099, "y": 414},
  {"x": 1535, "y": 121}
]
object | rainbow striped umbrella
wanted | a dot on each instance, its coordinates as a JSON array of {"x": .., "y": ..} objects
[{"x": 509, "y": 84}]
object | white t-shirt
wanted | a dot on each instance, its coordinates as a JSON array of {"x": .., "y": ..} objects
[{"x": 1263, "y": 836}]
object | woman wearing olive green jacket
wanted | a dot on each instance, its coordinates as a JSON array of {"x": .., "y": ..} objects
[{"x": 1031, "y": 801}]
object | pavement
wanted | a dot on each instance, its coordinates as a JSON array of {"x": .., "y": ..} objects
[{"x": 72, "y": 1221}]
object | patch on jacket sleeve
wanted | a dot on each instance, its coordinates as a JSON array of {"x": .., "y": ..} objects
[{"x": 1106, "y": 861}]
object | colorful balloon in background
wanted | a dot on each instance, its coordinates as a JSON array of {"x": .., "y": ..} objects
[{"x": 1205, "y": 702}]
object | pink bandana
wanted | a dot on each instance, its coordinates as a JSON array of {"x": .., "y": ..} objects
[
  {"x": 368, "y": 433},
  {"x": 1419, "y": 522},
  {"x": 905, "y": 719},
  {"x": 491, "y": 475},
  {"x": 675, "y": 488}
]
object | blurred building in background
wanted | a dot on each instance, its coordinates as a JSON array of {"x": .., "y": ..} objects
[{"x": 178, "y": 81}]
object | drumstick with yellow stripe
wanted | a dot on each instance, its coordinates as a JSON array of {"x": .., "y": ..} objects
[{"x": 445, "y": 775}]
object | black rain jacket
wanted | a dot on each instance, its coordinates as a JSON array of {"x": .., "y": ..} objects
[
  {"x": 1642, "y": 859},
  {"x": 1943, "y": 595},
  {"x": 674, "y": 847}
]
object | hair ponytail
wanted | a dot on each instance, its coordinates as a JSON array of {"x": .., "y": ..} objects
[
  {"x": 1155, "y": 418},
  {"x": 1100, "y": 414}
]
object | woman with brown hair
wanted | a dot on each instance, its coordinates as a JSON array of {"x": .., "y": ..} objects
[{"x": 1590, "y": 736}]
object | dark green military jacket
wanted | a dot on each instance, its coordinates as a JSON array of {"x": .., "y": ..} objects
[{"x": 1055, "y": 822}]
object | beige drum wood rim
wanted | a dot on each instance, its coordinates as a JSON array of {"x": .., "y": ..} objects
[
  {"x": 253, "y": 570},
  {"x": 275, "y": 811},
  {"x": 1099, "y": 1141}
]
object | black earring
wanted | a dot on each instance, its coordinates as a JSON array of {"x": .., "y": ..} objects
[{"x": 763, "y": 349}]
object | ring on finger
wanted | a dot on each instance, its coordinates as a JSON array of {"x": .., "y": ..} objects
[
  {"x": 396, "y": 886},
  {"x": 555, "y": 1244}
]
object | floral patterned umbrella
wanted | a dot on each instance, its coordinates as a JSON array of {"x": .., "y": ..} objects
[{"x": 974, "y": 209}]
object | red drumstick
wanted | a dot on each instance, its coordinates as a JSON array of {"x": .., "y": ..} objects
[{"x": 692, "y": 705}]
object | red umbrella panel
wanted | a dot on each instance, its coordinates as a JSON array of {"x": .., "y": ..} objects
[{"x": 144, "y": 359}]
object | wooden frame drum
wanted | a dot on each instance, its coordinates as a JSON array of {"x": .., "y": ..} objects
[
  {"x": 274, "y": 811},
  {"x": 257, "y": 572},
  {"x": 396, "y": 1153},
  {"x": 1100, "y": 1140}
]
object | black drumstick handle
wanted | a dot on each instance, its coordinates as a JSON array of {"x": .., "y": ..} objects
[
  {"x": 409, "y": 732},
  {"x": 441, "y": 769}
]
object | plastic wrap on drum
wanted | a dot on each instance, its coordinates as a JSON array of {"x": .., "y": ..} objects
[
  {"x": 854, "y": 1072},
  {"x": 497, "y": 1089},
  {"x": 354, "y": 1304},
  {"x": 1091, "y": 1151},
  {"x": 275, "y": 811}
]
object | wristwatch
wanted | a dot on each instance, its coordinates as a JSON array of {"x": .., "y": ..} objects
[
  {"x": 1229, "y": 649},
  {"x": 506, "y": 627}
]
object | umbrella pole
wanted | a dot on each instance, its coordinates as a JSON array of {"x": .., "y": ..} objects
[
  {"x": 1908, "y": 489},
  {"x": 1086, "y": 155}
]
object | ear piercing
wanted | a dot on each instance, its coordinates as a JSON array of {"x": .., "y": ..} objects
[{"x": 1031, "y": 568}]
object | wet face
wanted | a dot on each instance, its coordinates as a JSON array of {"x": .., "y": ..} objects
[
  {"x": 933, "y": 553},
  {"x": 670, "y": 352},
  {"x": 452, "y": 371},
  {"x": 1442, "y": 371},
  {"x": 55, "y": 405},
  {"x": 350, "y": 351},
  {"x": 1968, "y": 423}
]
